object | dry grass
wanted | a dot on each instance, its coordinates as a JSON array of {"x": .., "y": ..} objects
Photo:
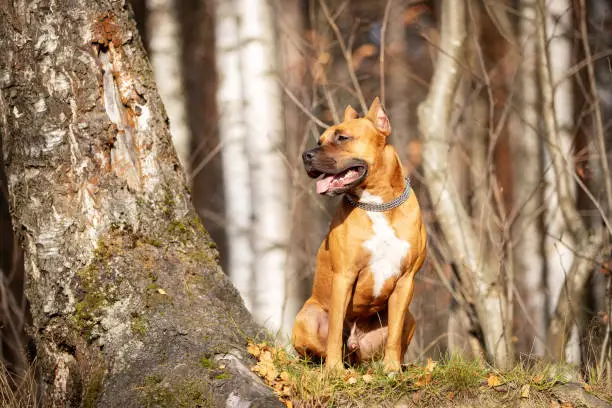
[
  {"x": 452, "y": 381},
  {"x": 17, "y": 391}
]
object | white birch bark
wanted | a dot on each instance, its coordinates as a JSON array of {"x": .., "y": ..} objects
[
  {"x": 263, "y": 123},
  {"x": 232, "y": 134},
  {"x": 165, "y": 55},
  {"x": 558, "y": 243},
  {"x": 526, "y": 146}
]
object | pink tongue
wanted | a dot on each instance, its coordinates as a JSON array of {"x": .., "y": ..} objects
[
  {"x": 338, "y": 180},
  {"x": 324, "y": 184}
]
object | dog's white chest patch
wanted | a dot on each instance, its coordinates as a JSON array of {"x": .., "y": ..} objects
[{"x": 386, "y": 249}]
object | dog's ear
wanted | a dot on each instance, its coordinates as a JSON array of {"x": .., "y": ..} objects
[
  {"x": 378, "y": 115},
  {"x": 350, "y": 113}
]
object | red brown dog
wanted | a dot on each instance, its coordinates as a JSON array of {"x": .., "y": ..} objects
[{"x": 366, "y": 265}]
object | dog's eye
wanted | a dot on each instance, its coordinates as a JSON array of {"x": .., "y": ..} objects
[
  {"x": 319, "y": 143},
  {"x": 342, "y": 138}
]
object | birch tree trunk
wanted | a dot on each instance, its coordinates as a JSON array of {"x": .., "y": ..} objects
[
  {"x": 526, "y": 146},
  {"x": 233, "y": 137},
  {"x": 264, "y": 126},
  {"x": 165, "y": 53},
  {"x": 129, "y": 305},
  {"x": 588, "y": 242},
  {"x": 434, "y": 114},
  {"x": 559, "y": 245}
]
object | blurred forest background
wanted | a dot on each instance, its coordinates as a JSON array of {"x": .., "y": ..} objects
[{"x": 516, "y": 192}]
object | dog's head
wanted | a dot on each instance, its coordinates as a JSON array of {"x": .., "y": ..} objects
[{"x": 349, "y": 152}]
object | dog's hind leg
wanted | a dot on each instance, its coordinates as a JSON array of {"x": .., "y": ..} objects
[
  {"x": 408, "y": 331},
  {"x": 310, "y": 330},
  {"x": 368, "y": 338}
]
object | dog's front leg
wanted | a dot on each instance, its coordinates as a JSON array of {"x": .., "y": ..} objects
[
  {"x": 341, "y": 291},
  {"x": 398, "y": 308}
]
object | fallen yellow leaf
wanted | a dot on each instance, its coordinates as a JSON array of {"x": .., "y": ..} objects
[
  {"x": 493, "y": 380},
  {"x": 266, "y": 369},
  {"x": 352, "y": 380},
  {"x": 367, "y": 378},
  {"x": 285, "y": 376},
  {"x": 161, "y": 291},
  {"x": 266, "y": 355},
  {"x": 254, "y": 349},
  {"x": 424, "y": 380},
  {"x": 431, "y": 364}
]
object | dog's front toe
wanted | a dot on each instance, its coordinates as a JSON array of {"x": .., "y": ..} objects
[
  {"x": 334, "y": 368},
  {"x": 392, "y": 366}
]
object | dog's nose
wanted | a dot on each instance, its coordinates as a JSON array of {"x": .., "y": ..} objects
[{"x": 308, "y": 155}]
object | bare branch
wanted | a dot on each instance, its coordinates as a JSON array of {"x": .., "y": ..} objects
[
  {"x": 383, "y": 34},
  {"x": 597, "y": 111},
  {"x": 435, "y": 115},
  {"x": 299, "y": 104},
  {"x": 346, "y": 53}
]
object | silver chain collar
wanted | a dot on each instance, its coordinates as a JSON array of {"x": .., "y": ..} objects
[{"x": 396, "y": 202}]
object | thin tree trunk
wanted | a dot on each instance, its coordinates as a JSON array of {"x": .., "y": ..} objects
[
  {"x": 264, "y": 126},
  {"x": 206, "y": 170},
  {"x": 558, "y": 243},
  {"x": 304, "y": 240},
  {"x": 434, "y": 116},
  {"x": 165, "y": 53},
  {"x": 129, "y": 305},
  {"x": 588, "y": 244},
  {"x": 233, "y": 139},
  {"x": 526, "y": 146}
]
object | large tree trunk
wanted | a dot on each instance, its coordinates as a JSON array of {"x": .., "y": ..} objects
[{"x": 129, "y": 305}]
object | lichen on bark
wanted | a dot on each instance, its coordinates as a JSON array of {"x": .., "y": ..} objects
[{"x": 124, "y": 283}]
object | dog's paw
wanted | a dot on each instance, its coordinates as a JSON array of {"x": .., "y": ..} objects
[
  {"x": 334, "y": 368},
  {"x": 391, "y": 366}
]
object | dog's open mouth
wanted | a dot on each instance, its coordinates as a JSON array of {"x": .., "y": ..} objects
[{"x": 342, "y": 181}]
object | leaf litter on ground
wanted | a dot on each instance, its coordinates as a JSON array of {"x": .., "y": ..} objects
[{"x": 301, "y": 382}]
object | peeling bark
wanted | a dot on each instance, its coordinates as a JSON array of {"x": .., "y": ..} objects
[{"x": 128, "y": 302}]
